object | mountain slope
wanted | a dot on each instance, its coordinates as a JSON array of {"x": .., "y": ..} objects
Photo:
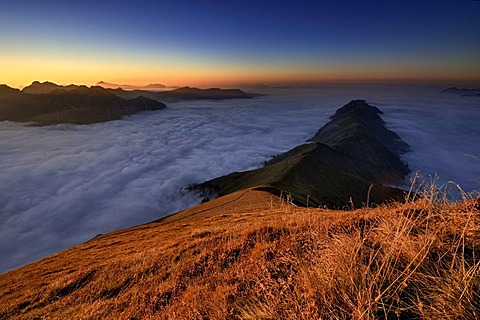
[
  {"x": 358, "y": 131},
  {"x": 252, "y": 255},
  {"x": 79, "y": 105},
  {"x": 350, "y": 161}
]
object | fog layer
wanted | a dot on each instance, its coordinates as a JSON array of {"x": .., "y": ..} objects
[{"x": 61, "y": 185}]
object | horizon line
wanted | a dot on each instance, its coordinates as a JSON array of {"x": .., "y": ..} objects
[{"x": 293, "y": 83}]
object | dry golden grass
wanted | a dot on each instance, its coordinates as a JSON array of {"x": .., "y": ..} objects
[{"x": 249, "y": 255}]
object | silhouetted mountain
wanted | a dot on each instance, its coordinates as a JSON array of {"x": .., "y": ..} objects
[
  {"x": 46, "y": 87},
  {"x": 475, "y": 92},
  {"x": 152, "y": 86},
  {"x": 349, "y": 160},
  {"x": 108, "y": 85},
  {"x": 211, "y": 93},
  {"x": 79, "y": 105},
  {"x": 185, "y": 93}
]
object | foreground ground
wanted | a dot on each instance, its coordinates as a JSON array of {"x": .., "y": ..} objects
[{"x": 250, "y": 255}]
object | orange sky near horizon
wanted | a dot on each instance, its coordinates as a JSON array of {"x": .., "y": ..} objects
[
  {"x": 180, "y": 43},
  {"x": 21, "y": 72}
]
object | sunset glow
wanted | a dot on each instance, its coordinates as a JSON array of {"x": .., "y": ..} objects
[{"x": 227, "y": 43}]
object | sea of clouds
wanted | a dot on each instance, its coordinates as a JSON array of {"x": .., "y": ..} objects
[{"x": 62, "y": 185}]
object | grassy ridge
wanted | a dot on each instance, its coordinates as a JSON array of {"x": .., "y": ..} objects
[
  {"x": 251, "y": 255},
  {"x": 353, "y": 159}
]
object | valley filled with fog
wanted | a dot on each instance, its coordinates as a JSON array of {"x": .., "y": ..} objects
[{"x": 62, "y": 185}]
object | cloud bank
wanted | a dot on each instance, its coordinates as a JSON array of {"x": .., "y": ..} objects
[{"x": 61, "y": 185}]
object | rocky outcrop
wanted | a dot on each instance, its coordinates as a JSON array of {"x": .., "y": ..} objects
[
  {"x": 79, "y": 105},
  {"x": 351, "y": 160}
]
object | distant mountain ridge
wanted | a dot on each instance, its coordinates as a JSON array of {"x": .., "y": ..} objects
[
  {"x": 474, "y": 92},
  {"x": 47, "y": 103},
  {"x": 151, "y": 86},
  {"x": 38, "y": 87},
  {"x": 186, "y": 93},
  {"x": 351, "y": 160},
  {"x": 73, "y": 104},
  {"x": 149, "y": 91}
]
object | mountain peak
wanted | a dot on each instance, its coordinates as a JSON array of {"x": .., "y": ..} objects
[
  {"x": 45, "y": 87},
  {"x": 354, "y": 146},
  {"x": 154, "y": 86},
  {"x": 357, "y": 106}
]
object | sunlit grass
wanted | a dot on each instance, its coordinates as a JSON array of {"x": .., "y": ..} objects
[{"x": 271, "y": 260}]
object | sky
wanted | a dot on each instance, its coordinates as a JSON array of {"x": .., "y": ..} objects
[{"x": 229, "y": 42}]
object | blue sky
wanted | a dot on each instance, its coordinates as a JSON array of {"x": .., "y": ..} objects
[{"x": 182, "y": 41}]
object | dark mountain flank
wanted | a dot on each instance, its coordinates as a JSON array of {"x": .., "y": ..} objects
[
  {"x": 350, "y": 160},
  {"x": 211, "y": 93},
  {"x": 357, "y": 131},
  {"x": 77, "y": 105},
  {"x": 185, "y": 93}
]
